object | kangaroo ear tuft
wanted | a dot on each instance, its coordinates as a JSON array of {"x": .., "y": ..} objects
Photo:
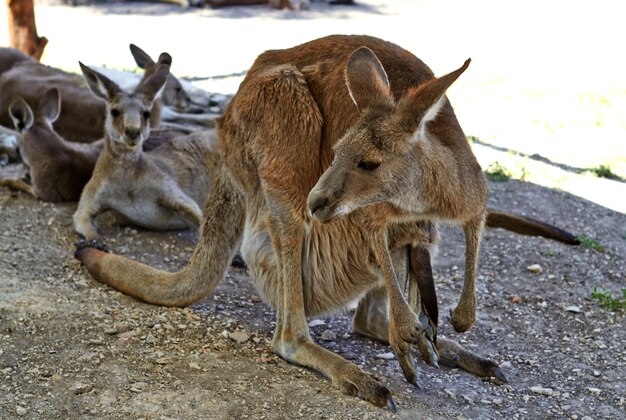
[
  {"x": 367, "y": 80},
  {"x": 21, "y": 114}
]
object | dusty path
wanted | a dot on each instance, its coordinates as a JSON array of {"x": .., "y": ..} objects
[{"x": 71, "y": 348}]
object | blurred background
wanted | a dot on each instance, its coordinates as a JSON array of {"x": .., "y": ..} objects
[{"x": 544, "y": 99}]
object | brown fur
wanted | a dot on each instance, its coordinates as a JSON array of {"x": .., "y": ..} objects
[
  {"x": 83, "y": 115},
  {"x": 9, "y": 57},
  {"x": 58, "y": 169},
  {"x": 162, "y": 188},
  {"x": 276, "y": 139}
]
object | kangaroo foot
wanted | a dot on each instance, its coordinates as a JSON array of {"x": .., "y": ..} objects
[
  {"x": 453, "y": 355},
  {"x": 462, "y": 318},
  {"x": 82, "y": 244}
]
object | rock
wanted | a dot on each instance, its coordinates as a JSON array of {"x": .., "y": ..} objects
[
  {"x": 160, "y": 361},
  {"x": 20, "y": 411},
  {"x": 594, "y": 391},
  {"x": 595, "y": 372},
  {"x": 239, "y": 336},
  {"x": 535, "y": 268},
  {"x": 506, "y": 365},
  {"x": 194, "y": 365},
  {"x": 56, "y": 377},
  {"x": 542, "y": 390},
  {"x": 316, "y": 322},
  {"x": 573, "y": 308},
  {"x": 516, "y": 299},
  {"x": 328, "y": 335},
  {"x": 110, "y": 331},
  {"x": 150, "y": 339},
  {"x": 81, "y": 388},
  {"x": 385, "y": 356}
]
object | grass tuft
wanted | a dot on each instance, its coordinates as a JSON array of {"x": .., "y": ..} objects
[
  {"x": 607, "y": 301},
  {"x": 590, "y": 243},
  {"x": 498, "y": 173}
]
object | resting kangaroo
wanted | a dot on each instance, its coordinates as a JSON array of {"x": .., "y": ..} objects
[
  {"x": 58, "y": 169},
  {"x": 82, "y": 117},
  {"x": 158, "y": 189},
  {"x": 276, "y": 138}
]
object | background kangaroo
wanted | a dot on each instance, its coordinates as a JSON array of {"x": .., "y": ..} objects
[
  {"x": 276, "y": 139},
  {"x": 159, "y": 189},
  {"x": 83, "y": 115},
  {"x": 58, "y": 169}
]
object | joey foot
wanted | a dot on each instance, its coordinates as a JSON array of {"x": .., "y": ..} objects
[{"x": 453, "y": 355}]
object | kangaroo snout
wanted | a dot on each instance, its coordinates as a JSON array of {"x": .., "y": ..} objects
[{"x": 319, "y": 206}]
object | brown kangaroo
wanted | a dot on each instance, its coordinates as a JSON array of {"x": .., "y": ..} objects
[
  {"x": 83, "y": 115},
  {"x": 9, "y": 57},
  {"x": 162, "y": 188},
  {"x": 58, "y": 169},
  {"x": 292, "y": 113}
]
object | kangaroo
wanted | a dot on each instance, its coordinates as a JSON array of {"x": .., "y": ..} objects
[
  {"x": 157, "y": 189},
  {"x": 9, "y": 57},
  {"x": 58, "y": 169},
  {"x": 312, "y": 242},
  {"x": 83, "y": 116}
]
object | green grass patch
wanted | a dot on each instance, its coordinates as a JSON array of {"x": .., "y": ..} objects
[
  {"x": 603, "y": 171},
  {"x": 607, "y": 301},
  {"x": 590, "y": 243},
  {"x": 498, "y": 173}
]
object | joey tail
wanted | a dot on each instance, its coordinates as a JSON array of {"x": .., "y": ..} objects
[
  {"x": 527, "y": 226},
  {"x": 218, "y": 242}
]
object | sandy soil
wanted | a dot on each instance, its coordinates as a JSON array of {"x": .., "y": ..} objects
[{"x": 72, "y": 348}]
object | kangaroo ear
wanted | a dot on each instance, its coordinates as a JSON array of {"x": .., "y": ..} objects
[
  {"x": 366, "y": 79},
  {"x": 142, "y": 59},
  {"x": 50, "y": 105},
  {"x": 21, "y": 114},
  {"x": 165, "y": 59},
  {"x": 421, "y": 104},
  {"x": 100, "y": 85},
  {"x": 152, "y": 86}
]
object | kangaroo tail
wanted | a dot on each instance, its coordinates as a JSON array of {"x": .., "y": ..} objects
[
  {"x": 528, "y": 226},
  {"x": 219, "y": 239}
]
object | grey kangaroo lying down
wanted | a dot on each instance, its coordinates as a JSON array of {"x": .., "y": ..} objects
[
  {"x": 316, "y": 235},
  {"x": 162, "y": 188}
]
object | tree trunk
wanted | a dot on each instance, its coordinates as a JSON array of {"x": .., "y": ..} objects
[{"x": 22, "y": 30}]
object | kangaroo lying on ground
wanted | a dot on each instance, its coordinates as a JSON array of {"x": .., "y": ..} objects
[
  {"x": 83, "y": 115},
  {"x": 158, "y": 189},
  {"x": 9, "y": 57},
  {"x": 58, "y": 169},
  {"x": 399, "y": 165}
]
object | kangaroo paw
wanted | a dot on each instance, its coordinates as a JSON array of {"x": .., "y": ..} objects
[{"x": 82, "y": 244}]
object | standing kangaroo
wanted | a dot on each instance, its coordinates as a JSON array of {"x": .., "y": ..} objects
[
  {"x": 401, "y": 162},
  {"x": 158, "y": 189}
]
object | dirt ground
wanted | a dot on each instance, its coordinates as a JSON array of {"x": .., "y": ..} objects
[{"x": 72, "y": 348}]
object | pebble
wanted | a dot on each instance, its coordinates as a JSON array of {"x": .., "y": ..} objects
[
  {"x": 573, "y": 308},
  {"x": 385, "y": 356},
  {"x": 20, "y": 411},
  {"x": 328, "y": 335},
  {"x": 516, "y": 299},
  {"x": 150, "y": 339},
  {"x": 595, "y": 372},
  {"x": 594, "y": 391},
  {"x": 316, "y": 322},
  {"x": 535, "y": 268},
  {"x": 239, "y": 336},
  {"x": 542, "y": 390},
  {"x": 81, "y": 388},
  {"x": 194, "y": 365}
]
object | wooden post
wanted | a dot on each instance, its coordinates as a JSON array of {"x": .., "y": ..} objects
[{"x": 22, "y": 30}]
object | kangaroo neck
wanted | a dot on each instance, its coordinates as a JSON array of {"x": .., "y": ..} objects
[{"x": 121, "y": 152}]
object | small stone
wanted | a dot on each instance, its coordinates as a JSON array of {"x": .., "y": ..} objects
[
  {"x": 594, "y": 391},
  {"x": 110, "y": 331},
  {"x": 80, "y": 388},
  {"x": 239, "y": 336},
  {"x": 56, "y": 377},
  {"x": 596, "y": 373},
  {"x": 506, "y": 365},
  {"x": 385, "y": 356},
  {"x": 160, "y": 361},
  {"x": 497, "y": 401},
  {"x": 468, "y": 399},
  {"x": 535, "y": 268},
  {"x": 328, "y": 335},
  {"x": 194, "y": 365},
  {"x": 316, "y": 322},
  {"x": 449, "y": 392},
  {"x": 150, "y": 339},
  {"x": 542, "y": 390},
  {"x": 20, "y": 411},
  {"x": 573, "y": 308},
  {"x": 516, "y": 299}
]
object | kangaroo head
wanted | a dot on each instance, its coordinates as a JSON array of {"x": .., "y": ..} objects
[
  {"x": 173, "y": 94},
  {"x": 128, "y": 114},
  {"x": 375, "y": 161}
]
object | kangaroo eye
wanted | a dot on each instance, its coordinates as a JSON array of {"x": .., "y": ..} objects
[
  {"x": 368, "y": 166},
  {"x": 115, "y": 112},
  {"x": 146, "y": 114}
]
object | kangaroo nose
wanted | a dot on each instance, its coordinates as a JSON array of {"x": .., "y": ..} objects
[
  {"x": 131, "y": 133},
  {"x": 318, "y": 203}
]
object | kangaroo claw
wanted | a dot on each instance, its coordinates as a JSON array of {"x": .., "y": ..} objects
[
  {"x": 391, "y": 405},
  {"x": 82, "y": 244}
]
